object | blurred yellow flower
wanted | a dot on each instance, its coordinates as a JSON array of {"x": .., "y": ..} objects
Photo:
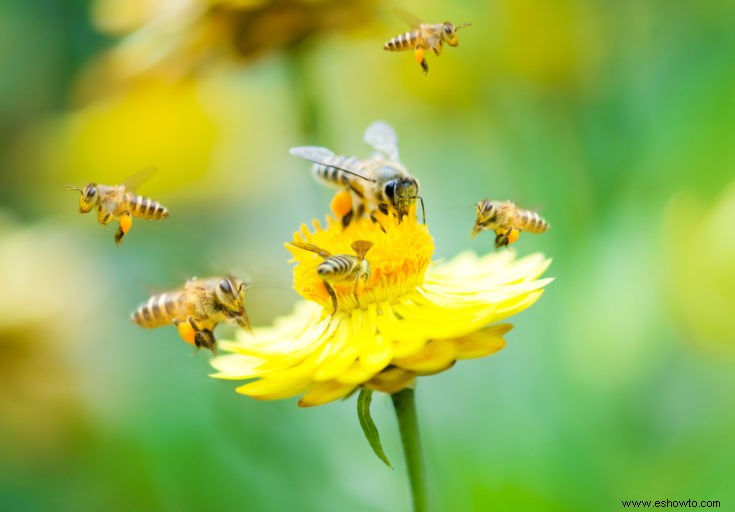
[
  {"x": 177, "y": 38},
  {"x": 416, "y": 318},
  {"x": 40, "y": 404}
]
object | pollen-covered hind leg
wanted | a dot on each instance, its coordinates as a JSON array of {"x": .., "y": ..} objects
[
  {"x": 126, "y": 222},
  {"x": 513, "y": 235},
  {"x": 191, "y": 332},
  {"x": 187, "y": 331},
  {"x": 418, "y": 53}
]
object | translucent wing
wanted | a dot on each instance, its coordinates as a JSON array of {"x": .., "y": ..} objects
[
  {"x": 381, "y": 136},
  {"x": 323, "y": 156},
  {"x": 315, "y": 154},
  {"x": 406, "y": 16},
  {"x": 311, "y": 247},
  {"x": 140, "y": 177}
]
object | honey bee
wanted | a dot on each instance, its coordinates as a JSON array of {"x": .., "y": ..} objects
[
  {"x": 119, "y": 202},
  {"x": 507, "y": 220},
  {"x": 426, "y": 36},
  {"x": 196, "y": 309},
  {"x": 380, "y": 183},
  {"x": 341, "y": 267}
]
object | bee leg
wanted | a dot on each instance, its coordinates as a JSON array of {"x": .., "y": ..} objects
[
  {"x": 502, "y": 238},
  {"x": 333, "y": 295},
  {"x": 375, "y": 219},
  {"x": 126, "y": 221},
  {"x": 202, "y": 337},
  {"x": 205, "y": 338},
  {"x": 354, "y": 291},
  {"x": 186, "y": 331},
  {"x": 103, "y": 217},
  {"x": 419, "y": 54},
  {"x": 347, "y": 218},
  {"x": 513, "y": 235}
]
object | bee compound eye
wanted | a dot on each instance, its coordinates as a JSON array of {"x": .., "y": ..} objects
[
  {"x": 90, "y": 191},
  {"x": 448, "y": 28},
  {"x": 224, "y": 285},
  {"x": 390, "y": 189}
]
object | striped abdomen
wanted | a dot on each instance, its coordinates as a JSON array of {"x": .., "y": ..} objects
[
  {"x": 531, "y": 221},
  {"x": 162, "y": 309},
  {"x": 145, "y": 207},
  {"x": 328, "y": 169},
  {"x": 335, "y": 268},
  {"x": 405, "y": 41}
]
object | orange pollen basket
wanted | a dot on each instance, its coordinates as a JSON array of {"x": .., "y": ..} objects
[
  {"x": 186, "y": 331},
  {"x": 126, "y": 221}
]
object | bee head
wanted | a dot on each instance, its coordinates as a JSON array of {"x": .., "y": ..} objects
[
  {"x": 449, "y": 32},
  {"x": 230, "y": 294},
  {"x": 486, "y": 214},
  {"x": 89, "y": 196},
  {"x": 402, "y": 194}
]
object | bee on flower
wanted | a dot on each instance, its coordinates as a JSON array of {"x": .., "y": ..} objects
[
  {"x": 413, "y": 318},
  {"x": 378, "y": 184},
  {"x": 341, "y": 267}
]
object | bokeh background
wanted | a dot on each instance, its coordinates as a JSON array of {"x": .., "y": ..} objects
[{"x": 614, "y": 119}]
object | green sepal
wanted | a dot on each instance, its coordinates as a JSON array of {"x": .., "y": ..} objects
[{"x": 368, "y": 426}]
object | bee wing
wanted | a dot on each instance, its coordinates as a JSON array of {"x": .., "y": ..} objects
[
  {"x": 313, "y": 248},
  {"x": 314, "y": 154},
  {"x": 406, "y": 16},
  {"x": 361, "y": 247},
  {"x": 134, "y": 181},
  {"x": 322, "y": 156},
  {"x": 382, "y": 137}
]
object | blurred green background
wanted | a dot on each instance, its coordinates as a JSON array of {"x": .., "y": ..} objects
[{"x": 614, "y": 119}]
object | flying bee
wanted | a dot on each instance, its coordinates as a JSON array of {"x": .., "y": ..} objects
[
  {"x": 341, "y": 267},
  {"x": 119, "y": 202},
  {"x": 426, "y": 36},
  {"x": 380, "y": 183},
  {"x": 196, "y": 309},
  {"x": 507, "y": 220}
]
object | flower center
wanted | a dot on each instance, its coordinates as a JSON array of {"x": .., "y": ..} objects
[{"x": 397, "y": 261}]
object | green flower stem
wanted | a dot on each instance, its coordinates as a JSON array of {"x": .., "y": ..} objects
[{"x": 405, "y": 404}]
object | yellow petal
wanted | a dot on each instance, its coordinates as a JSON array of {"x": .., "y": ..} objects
[
  {"x": 481, "y": 343},
  {"x": 273, "y": 389},
  {"x": 436, "y": 356},
  {"x": 392, "y": 380},
  {"x": 324, "y": 392}
]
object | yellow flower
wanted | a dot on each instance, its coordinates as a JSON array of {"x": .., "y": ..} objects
[{"x": 415, "y": 317}]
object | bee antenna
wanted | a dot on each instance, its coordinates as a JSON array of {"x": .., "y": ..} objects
[
  {"x": 315, "y": 161},
  {"x": 73, "y": 187},
  {"x": 423, "y": 210},
  {"x": 464, "y": 25},
  {"x": 353, "y": 173}
]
